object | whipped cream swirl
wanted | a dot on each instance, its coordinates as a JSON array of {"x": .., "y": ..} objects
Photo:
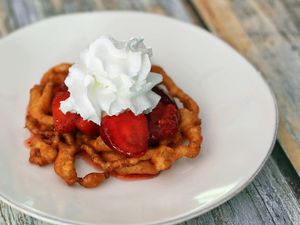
[{"x": 110, "y": 77}]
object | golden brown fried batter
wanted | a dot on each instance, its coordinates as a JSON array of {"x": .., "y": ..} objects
[
  {"x": 93, "y": 179},
  {"x": 47, "y": 146},
  {"x": 96, "y": 143},
  {"x": 143, "y": 167},
  {"x": 56, "y": 75},
  {"x": 175, "y": 91},
  {"x": 40, "y": 152},
  {"x": 64, "y": 163},
  {"x": 40, "y": 103}
]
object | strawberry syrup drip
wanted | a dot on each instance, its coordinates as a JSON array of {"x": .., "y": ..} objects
[
  {"x": 88, "y": 160},
  {"x": 28, "y": 142}
]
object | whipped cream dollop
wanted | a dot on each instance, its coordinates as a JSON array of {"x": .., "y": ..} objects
[{"x": 110, "y": 77}]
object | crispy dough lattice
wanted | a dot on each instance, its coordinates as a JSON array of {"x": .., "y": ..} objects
[{"x": 48, "y": 146}]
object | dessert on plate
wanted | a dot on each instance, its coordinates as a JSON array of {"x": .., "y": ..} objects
[{"x": 116, "y": 110}]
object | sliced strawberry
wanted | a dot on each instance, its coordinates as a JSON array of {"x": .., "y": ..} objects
[
  {"x": 60, "y": 88},
  {"x": 87, "y": 127},
  {"x": 63, "y": 123},
  {"x": 163, "y": 121},
  {"x": 126, "y": 133},
  {"x": 165, "y": 98}
]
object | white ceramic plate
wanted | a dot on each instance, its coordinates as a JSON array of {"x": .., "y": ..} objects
[{"x": 238, "y": 111}]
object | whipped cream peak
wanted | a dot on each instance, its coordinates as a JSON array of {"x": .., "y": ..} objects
[{"x": 110, "y": 77}]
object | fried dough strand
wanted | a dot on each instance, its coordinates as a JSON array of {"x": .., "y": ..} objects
[
  {"x": 143, "y": 167},
  {"x": 175, "y": 91},
  {"x": 56, "y": 75},
  {"x": 41, "y": 153},
  {"x": 93, "y": 180},
  {"x": 47, "y": 146},
  {"x": 96, "y": 143},
  {"x": 64, "y": 163},
  {"x": 40, "y": 100}
]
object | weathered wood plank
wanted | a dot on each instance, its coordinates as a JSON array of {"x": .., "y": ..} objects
[
  {"x": 23, "y": 12},
  {"x": 269, "y": 36},
  {"x": 3, "y": 20},
  {"x": 9, "y": 216},
  {"x": 267, "y": 200},
  {"x": 253, "y": 206},
  {"x": 287, "y": 170}
]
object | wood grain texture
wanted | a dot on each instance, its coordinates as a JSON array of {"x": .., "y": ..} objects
[
  {"x": 19, "y": 13},
  {"x": 268, "y": 34},
  {"x": 267, "y": 200}
]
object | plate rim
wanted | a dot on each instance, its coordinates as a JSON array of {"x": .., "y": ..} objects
[{"x": 188, "y": 215}]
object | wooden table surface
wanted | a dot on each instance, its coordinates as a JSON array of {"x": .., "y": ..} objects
[{"x": 267, "y": 33}]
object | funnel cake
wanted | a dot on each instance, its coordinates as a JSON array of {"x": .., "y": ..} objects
[{"x": 47, "y": 146}]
